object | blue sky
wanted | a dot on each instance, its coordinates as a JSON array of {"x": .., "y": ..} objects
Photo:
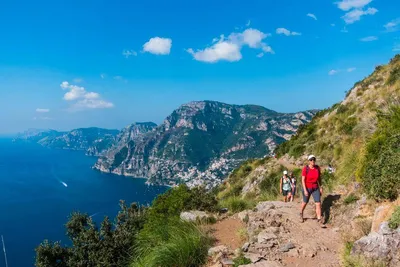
[{"x": 68, "y": 64}]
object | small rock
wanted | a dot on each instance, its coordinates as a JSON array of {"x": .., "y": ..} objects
[
  {"x": 253, "y": 257},
  {"x": 192, "y": 216},
  {"x": 293, "y": 253},
  {"x": 286, "y": 247},
  {"x": 218, "y": 249},
  {"x": 265, "y": 236},
  {"x": 263, "y": 264},
  {"x": 237, "y": 252},
  {"x": 384, "y": 229},
  {"x": 246, "y": 246},
  {"x": 336, "y": 229},
  {"x": 265, "y": 206},
  {"x": 227, "y": 262}
]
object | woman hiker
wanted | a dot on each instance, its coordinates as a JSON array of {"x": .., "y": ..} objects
[
  {"x": 293, "y": 181},
  {"x": 312, "y": 185},
  {"x": 286, "y": 187}
]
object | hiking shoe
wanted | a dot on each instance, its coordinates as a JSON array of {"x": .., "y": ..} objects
[
  {"x": 301, "y": 217},
  {"x": 321, "y": 223}
]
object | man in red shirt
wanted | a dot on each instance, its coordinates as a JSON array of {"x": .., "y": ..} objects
[{"x": 312, "y": 185}]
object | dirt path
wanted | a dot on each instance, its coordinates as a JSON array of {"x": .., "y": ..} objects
[
  {"x": 275, "y": 225},
  {"x": 229, "y": 232}
]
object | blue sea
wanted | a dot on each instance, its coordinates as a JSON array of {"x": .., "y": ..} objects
[{"x": 40, "y": 187}]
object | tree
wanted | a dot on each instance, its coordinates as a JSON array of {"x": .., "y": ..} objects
[{"x": 109, "y": 246}]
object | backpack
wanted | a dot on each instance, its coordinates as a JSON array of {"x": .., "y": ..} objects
[{"x": 317, "y": 167}]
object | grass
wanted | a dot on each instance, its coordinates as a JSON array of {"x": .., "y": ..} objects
[
  {"x": 350, "y": 199},
  {"x": 236, "y": 204},
  {"x": 394, "y": 221},
  {"x": 173, "y": 244},
  {"x": 241, "y": 260},
  {"x": 349, "y": 260}
]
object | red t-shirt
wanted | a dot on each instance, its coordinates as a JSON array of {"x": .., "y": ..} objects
[{"x": 311, "y": 177}]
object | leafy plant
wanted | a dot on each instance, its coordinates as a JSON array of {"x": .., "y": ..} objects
[
  {"x": 350, "y": 199},
  {"x": 108, "y": 246},
  {"x": 379, "y": 170},
  {"x": 394, "y": 221},
  {"x": 172, "y": 244}
]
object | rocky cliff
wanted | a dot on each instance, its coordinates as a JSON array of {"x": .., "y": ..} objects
[
  {"x": 94, "y": 141},
  {"x": 200, "y": 142}
]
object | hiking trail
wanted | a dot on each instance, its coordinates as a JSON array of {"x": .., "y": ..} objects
[{"x": 276, "y": 237}]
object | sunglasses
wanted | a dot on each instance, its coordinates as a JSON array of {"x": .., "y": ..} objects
[{"x": 313, "y": 159}]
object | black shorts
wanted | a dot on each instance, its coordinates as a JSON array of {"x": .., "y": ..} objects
[{"x": 286, "y": 192}]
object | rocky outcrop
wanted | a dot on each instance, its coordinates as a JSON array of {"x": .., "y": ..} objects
[
  {"x": 193, "y": 216},
  {"x": 383, "y": 245},
  {"x": 201, "y": 142}
]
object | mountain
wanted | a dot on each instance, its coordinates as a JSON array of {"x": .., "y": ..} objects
[
  {"x": 360, "y": 138},
  {"x": 200, "y": 142},
  {"x": 93, "y": 141}
]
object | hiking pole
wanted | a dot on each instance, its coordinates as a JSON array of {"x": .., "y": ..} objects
[{"x": 4, "y": 249}]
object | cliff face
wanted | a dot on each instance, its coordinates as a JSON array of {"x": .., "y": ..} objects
[
  {"x": 200, "y": 142},
  {"x": 94, "y": 141}
]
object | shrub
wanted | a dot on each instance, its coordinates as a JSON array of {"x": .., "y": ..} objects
[
  {"x": 241, "y": 260},
  {"x": 379, "y": 169},
  {"x": 235, "y": 204},
  {"x": 172, "y": 244},
  {"x": 108, "y": 246},
  {"x": 181, "y": 198},
  {"x": 393, "y": 76},
  {"x": 394, "y": 221},
  {"x": 351, "y": 198}
]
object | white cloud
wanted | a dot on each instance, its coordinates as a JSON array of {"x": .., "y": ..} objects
[
  {"x": 312, "y": 16},
  {"x": 369, "y": 39},
  {"x": 333, "y": 24},
  {"x": 346, "y": 5},
  {"x": 248, "y": 23},
  {"x": 158, "y": 46},
  {"x": 42, "y": 110},
  {"x": 78, "y": 80},
  {"x": 396, "y": 48},
  {"x": 351, "y": 69},
  {"x": 128, "y": 53},
  {"x": 356, "y": 14},
  {"x": 220, "y": 51},
  {"x": 103, "y": 75},
  {"x": 286, "y": 32},
  {"x": 344, "y": 30},
  {"x": 229, "y": 48},
  {"x": 393, "y": 25},
  {"x": 118, "y": 78},
  {"x": 332, "y": 72},
  {"x": 260, "y": 55},
  {"x": 82, "y": 98}
]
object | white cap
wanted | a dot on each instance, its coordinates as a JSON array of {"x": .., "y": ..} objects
[
  {"x": 284, "y": 172},
  {"x": 311, "y": 156}
]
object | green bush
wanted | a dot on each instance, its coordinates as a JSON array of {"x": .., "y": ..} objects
[
  {"x": 108, "y": 246},
  {"x": 351, "y": 198},
  {"x": 172, "y": 244},
  {"x": 241, "y": 260},
  {"x": 393, "y": 76},
  {"x": 235, "y": 204},
  {"x": 380, "y": 168},
  {"x": 179, "y": 199},
  {"x": 394, "y": 221}
]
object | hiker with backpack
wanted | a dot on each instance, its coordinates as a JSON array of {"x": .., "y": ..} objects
[
  {"x": 286, "y": 187},
  {"x": 312, "y": 186},
  {"x": 294, "y": 185}
]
